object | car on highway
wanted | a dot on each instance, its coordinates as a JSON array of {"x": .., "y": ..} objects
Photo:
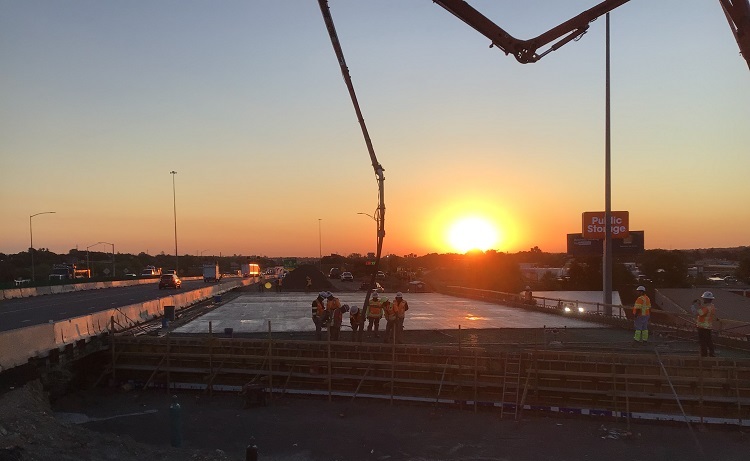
[
  {"x": 169, "y": 281},
  {"x": 380, "y": 275},
  {"x": 170, "y": 271},
  {"x": 366, "y": 285},
  {"x": 335, "y": 272},
  {"x": 347, "y": 277}
]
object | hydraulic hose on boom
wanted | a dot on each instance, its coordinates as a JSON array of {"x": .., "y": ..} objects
[{"x": 380, "y": 211}]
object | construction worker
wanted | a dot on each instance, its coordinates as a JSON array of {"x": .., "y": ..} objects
[
  {"x": 390, "y": 320},
  {"x": 706, "y": 312},
  {"x": 318, "y": 314},
  {"x": 528, "y": 296},
  {"x": 333, "y": 308},
  {"x": 641, "y": 312},
  {"x": 374, "y": 314},
  {"x": 357, "y": 320},
  {"x": 400, "y": 306}
]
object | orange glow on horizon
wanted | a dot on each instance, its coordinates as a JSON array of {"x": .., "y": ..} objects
[{"x": 470, "y": 225}]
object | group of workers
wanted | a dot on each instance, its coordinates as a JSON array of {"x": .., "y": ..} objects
[
  {"x": 703, "y": 308},
  {"x": 327, "y": 312}
]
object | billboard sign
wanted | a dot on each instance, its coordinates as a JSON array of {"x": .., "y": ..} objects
[
  {"x": 594, "y": 228},
  {"x": 578, "y": 245}
]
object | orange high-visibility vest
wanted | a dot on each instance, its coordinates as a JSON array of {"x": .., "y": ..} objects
[
  {"x": 390, "y": 315},
  {"x": 706, "y": 315},
  {"x": 374, "y": 309},
  {"x": 319, "y": 307},
  {"x": 642, "y": 304},
  {"x": 333, "y": 304},
  {"x": 400, "y": 308}
]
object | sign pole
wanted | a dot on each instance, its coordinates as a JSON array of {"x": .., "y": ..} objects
[{"x": 607, "y": 263}]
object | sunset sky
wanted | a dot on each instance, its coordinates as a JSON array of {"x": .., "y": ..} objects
[{"x": 100, "y": 100}]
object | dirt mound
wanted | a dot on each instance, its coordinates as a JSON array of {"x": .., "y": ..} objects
[
  {"x": 29, "y": 431},
  {"x": 296, "y": 280}
]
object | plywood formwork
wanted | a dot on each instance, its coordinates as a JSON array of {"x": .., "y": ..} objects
[{"x": 513, "y": 380}]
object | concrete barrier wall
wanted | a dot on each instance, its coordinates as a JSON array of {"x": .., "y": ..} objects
[
  {"x": 13, "y": 293},
  {"x": 18, "y": 346}
]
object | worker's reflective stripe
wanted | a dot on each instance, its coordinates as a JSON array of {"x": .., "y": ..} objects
[
  {"x": 643, "y": 304},
  {"x": 706, "y": 315}
]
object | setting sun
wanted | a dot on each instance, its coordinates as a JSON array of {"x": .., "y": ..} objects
[{"x": 473, "y": 234}]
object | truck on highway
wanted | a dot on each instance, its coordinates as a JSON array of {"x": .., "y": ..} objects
[
  {"x": 250, "y": 270},
  {"x": 68, "y": 272},
  {"x": 150, "y": 271},
  {"x": 211, "y": 272}
]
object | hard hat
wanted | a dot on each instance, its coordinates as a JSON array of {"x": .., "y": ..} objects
[
  {"x": 375, "y": 295},
  {"x": 329, "y": 294},
  {"x": 353, "y": 310},
  {"x": 399, "y": 295},
  {"x": 528, "y": 287},
  {"x": 641, "y": 288},
  {"x": 322, "y": 294},
  {"x": 707, "y": 295}
]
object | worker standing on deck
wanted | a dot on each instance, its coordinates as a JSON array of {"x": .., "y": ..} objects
[
  {"x": 400, "y": 306},
  {"x": 333, "y": 308},
  {"x": 641, "y": 312},
  {"x": 390, "y": 320},
  {"x": 706, "y": 312},
  {"x": 318, "y": 314},
  {"x": 374, "y": 313},
  {"x": 357, "y": 320}
]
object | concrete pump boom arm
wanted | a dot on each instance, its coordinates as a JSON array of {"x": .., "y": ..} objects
[{"x": 527, "y": 51}]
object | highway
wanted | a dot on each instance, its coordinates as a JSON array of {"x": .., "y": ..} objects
[{"x": 24, "y": 312}]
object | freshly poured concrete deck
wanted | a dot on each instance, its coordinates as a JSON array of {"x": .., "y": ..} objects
[{"x": 290, "y": 312}]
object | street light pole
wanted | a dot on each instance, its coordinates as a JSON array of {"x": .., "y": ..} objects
[
  {"x": 113, "y": 257},
  {"x": 376, "y": 227},
  {"x": 320, "y": 246},
  {"x": 174, "y": 205},
  {"x": 31, "y": 247}
]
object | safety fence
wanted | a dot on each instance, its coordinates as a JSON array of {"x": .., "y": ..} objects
[
  {"x": 18, "y": 346},
  {"x": 510, "y": 381}
]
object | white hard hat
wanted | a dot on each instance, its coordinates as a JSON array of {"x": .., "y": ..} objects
[
  {"x": 399, "y": 295},
  {"x": 353, "y": 310},
  {"x": 375, "y": 295},
  {"x": 528, "y": 287},
  {"x": 328, "y": 294},
  {"x": 322, "y": 294},
  {"x": 641, "y": 288},
  {"x": 707, "y": 295}
]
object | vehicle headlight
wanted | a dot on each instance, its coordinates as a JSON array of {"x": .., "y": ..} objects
[
  {"x": 567, "y": 309},
  {"x": 580, "y": 310}
]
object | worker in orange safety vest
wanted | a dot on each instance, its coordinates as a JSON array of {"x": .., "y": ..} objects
[
  {"x": 333, "y": 307},
  {"x": 390, "y": 320},
  {"x": 641, "y": 312},
  {"x": 400, "y": 306},
  {"x": 706, "y": 312},
  {"x": 374, "y": 314},
  {"x": 318, "y": 314},
  {"x": 357, "y": 320}
]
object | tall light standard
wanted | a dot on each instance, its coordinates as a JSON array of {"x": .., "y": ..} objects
[
  {"x": 31, "y": 247},
  {"x": 88, "y": 266},
  {"x": 320, "y": 246},
  {"x": 201, "y": 253},
  {"x": 174, "y": 205},
  {"x": 113, "y": 257},
  {"x": 374, "y": 218}
]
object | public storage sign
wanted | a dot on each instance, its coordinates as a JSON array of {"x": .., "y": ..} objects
[{"x": 593, "y": 224}]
